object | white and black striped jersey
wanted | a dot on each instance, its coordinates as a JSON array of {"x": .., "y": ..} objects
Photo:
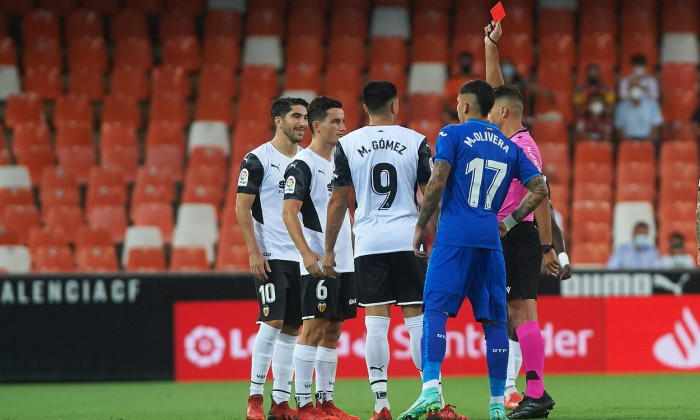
[
  {"x": 308, "y": 179},
  {"x": 262, "y": 174},
  {"x": 385, "y": 164}
]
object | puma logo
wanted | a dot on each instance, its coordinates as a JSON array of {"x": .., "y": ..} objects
[
  {"x": 381, "y": 368},
  {"x": 322, "y": 171},
  {"x": 276, "y": 166}
]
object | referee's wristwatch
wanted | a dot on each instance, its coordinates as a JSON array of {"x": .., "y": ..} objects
[{"x": 546, "y": 248}]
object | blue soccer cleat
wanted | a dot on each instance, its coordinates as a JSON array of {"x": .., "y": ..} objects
[
  {"x": 427, "y": 402},
  {"x": 497, "y": 412}
]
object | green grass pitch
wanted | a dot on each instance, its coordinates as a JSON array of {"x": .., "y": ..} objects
[{"x": 577, "y": 397}]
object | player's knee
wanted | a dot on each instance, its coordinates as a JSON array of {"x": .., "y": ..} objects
[
  {"x": 288, "y": 329},
  {"x": 333, "y": 331},
  {"x": 277, "y": 324}
]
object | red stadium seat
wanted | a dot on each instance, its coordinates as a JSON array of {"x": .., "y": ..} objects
[
  {"x": 8, "y": 54},
  {"x": 60, "y": 7},
  {"x": 30, "y": 135},
  {"x": 165, "y": 133},
  {"x": 116, "y": 134},
  {"x": 217, "y": 78},
  {"x": 598, "y": 20},
  {"x": 72, "y": 107},
  {"x": 679, "y": 151},
  {"x": 297, "y": 52},
  {"x": 182, "y": 51},
  {"x": 430, "y": 48},
  {"x": 53, "y": 259},
  {"x": 429, "y": 128},
  {"x": 17, "y": 7},
  {"x": 430, "y": 23},
  {"x": 349, "y": 50},
  {"x": 303, "y": 76},
  {"x": 42, "y": 52},
  {"x": 153, "y": 175},
  {"x": 638, "y": 151},
  {"x": 58, "y": 177},
  {"x": 555, "y": 162},
  {"x": 43, "y": 81},
  {"x": 150, "y": 7},
  {"x": 557, "y": 48},
  {"x": 519, "y": 48},
  {"x": 168, "y": 157},
  {"x": 265, "y": 21},
  {"x": 390, "y": 50},
  {"x": 15, "y": 196},
  {"x": 204, "y": 174},
  {"x": 92, "y": 236},
  {"x": 549, "y": 131},
  {"x": 105, "y": 177},
  {"x": 130, "y": 81},
  {"x": 188, "y": 259},
  {"x": 425, "y": 106},
  {"x": 36, "y": 159},
  {"x": 591, "y": 151},
  {"x": 83, "y": 23},
  {"x": 104, "y": 7},
  {"x": 22, "y": 109},
  {"x": 67, "y": 218},
  {"x": 222, "y": 50},
  {"x": 128, "y": 23},
  {"x": 8, "y": 236},
  {"x": 560, "y": 23},
  {"x": 124, "y": 159},
  {"x": 342, "y": 77},
  {"x": 74, "y": 133},
  {"x": 260, "y": 79},
  {"x": 680, "y": 16},
  {"x": 40, "y": 237},
  {"x": 558, "y": 102},
  {"x": 394, "y": 73},
  {"x": 169, "y": 107},
  {"x": 191, "y": 7},
  {"x": 232, "y": 254},
  {"x": 592, "y": 191},
  {"x": 214, "y": 106},
  {"x": 112, "y": 218},
  {"x": 133, "y": 51},
  {"x": 634, "y": 191},
  {"x": 592, "y": 172},
  {"x": 256, "y": 109},
  {"x": 155, "y": 214},
  {"x": 636, "y": 172},
  {"x": 146, "y": 259},
  {"x": 88, "y": 82},
  {"x": 170, "y": 78},
  {"x": 121, "y": 109},
  {"x": 175, "y": 25},
  {"x": 87, "y": 52},
  {"x": 81, "y": 158},
  {"x": 350, "y": 21},
  {"x": 223, "y": 23},
  {"x": 59, "y": 196},
  {"x": 305, "y": 21},
  {"x": 40, "y": 23},
  {"x": 96, "y": 259},
  {"x": 22, "y": 218}
]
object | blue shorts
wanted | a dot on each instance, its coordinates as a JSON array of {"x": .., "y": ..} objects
[{"x": 455, "y": 273}]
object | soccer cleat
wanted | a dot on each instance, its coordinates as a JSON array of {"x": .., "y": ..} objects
[
  {"x": 281, "y": 411},
  {"x": 512, "y": 400},
  {"x": 497, "y": 412},
  {"x": 309, "y": 412},
  {"x": 427, "y": 402},
  {"x": 533, "y": 408},
  {"x": 329, "y": 408},
  {"x": 385, "y": 414},
  {"x": 254, "y": 411},
  {"x": 447, "y": 413}
]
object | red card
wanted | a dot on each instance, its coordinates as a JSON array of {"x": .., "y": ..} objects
[{"x": 497, "y": 12}]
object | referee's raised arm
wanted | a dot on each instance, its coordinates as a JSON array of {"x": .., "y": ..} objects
[{"x": 492, "y": 33}]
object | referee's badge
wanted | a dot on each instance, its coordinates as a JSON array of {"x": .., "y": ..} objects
[
  {"x": 243, "y": 178},
  {"x": 266, "y": 310},
  {"x": 322, "y": 307},
  {"x": 289, "y": 186}
]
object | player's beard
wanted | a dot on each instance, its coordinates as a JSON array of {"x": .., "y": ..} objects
[{"x": 292, "y": 135}]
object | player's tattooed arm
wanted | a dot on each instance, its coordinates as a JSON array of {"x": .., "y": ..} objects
[
  {"x": 433, "y": 192},
  {"x": 537, "y": 193}
]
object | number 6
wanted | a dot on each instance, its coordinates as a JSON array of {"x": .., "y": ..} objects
[{"x": 321, "y": 290}]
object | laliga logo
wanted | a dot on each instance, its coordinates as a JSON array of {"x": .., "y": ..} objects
[
  {"x": 204, "y": 346},
  {"x": 681, "y": 348}
]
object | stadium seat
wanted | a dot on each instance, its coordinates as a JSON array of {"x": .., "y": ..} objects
[
  {"x": 96, "y": 259},
  {"x": 87, "y": 52},
  {"x": 81, "y": 158},
  {"x": 596, "y": 172},
  {"x": 170, "y": 78},
  {"x": 125, "y": 159},
  {"x": 169, "y": 107},
  {"x": 9, "y": 236},
  {"x": 100, "y": 176},
  {"x": 557, "y": 48},
  {"x": 592, "y": 191},
  {"x": 67, "y": 218},
  {"x": 636, "y": 172},
  {"x": 256, "y": 109},
  {"x": 182, "y": 51},
  {"x": 342, "y": 77},
  {"x": 217, "y": 78},
  {"x": 214, "y": 106},
  {"x": 40, "y": 23},
  {"x": 103, "y": 195},
  {"x": 429, "y": 128},
  {"x": 303, "y": 76},
  {"x": 598, "y": 20},
  {"x": 185, "y": 236},
  {"x": 92, "y": 236},
  {"x": 60, "y": 7},
  {"x": 15, "y": 196},
  {"x": 46, "y": 236},
  {"x": 223, "y": 23},
  {"x": 392, "y": 72},
  {"x": 232, "y": 254},
  {"x": 83, "y": 23},
  {"x": 53, "y": 259},
  {"x": 191, "y": 7},
  {"x": 626, "y": 215},
  {"x": 131, "y": 81},
  {"x": 42, "y": 52},
  {"x": 28, "y": 135},
  {"x": 58, "y": 177},
  {"x": 590, "y": 224},
  {"x": 638, "y": 42},
  {"x": 146, "y": 259},
  {"x": 222, "y": 50},
  {"x": 88, "y": 82},
  {"x": 9, "y": 82},
  {"x": 72, "y": 107},
  {"x": 202, "y": 194},
  {"x": 133, "y": 51},
  {"x": 149, "y": 7},
  {"x": 17, "y": 7},
  {"x": 591, "y": 151},
  {"x": 165, "y": 133},
  {"x": 519, "y": 48},
  {"x": 74, "y": 133},
  {"x": 153, "y": 175},
  {"x": 634, "y": 191},
  {"x": 59, "y": 195},
  {"x": 639, "y": 151},
  {"x": 561, "y": 23},
  {"x": 228, "y": 214},
  {"x": 348, "y": 50},
  {"x": 175, "y": 25},
  {"x": 189, "y": 259},
  {"x": 677, "y": 190},
  {"x": 8, "y": 53},
  {"x": 306, "y": 21},
  {"x": 169, "y": 157},
  {"x": 199, "y": 217},
  {"x": 104, "y": 7},
  {"x": 110, "y": 217},
  {"x": 425, "y": 106},
  {"x": 128, "y": 23},
  {"x": 15, "y": 259},
  {"x": 390, "y": 50},
  {"x": 599, "y": 47},
  {"x": 116, "y": 134},
  {"x": 155, "y": 214},
  {"x": 122, "y": 109},
  {"x": 680, "y": 16},
  {"x": 429, "y": 49},
  {"x": 141, "y": 237},
  {"x": 259, "y": 80},
  {"x": 23, "y": 108},
  {"x": 265, "y": 22},
  {"x": 43, "y": 81},
  {"x": 679, "y": 151},
  {"x": 22, "y": 218},
  {"x": 210, "y": 156},
  {"x": 35, "y": 160},
  {"x": 350, "y": 21}
]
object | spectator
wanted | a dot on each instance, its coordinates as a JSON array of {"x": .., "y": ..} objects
[
  {"x": 593, "y": 86},
  {"x": 638, "y": 254},
  {"x": 595, "y": 124},
  {"x": 528, "y": 88},
  {"x": 639, "y": 74},
  {"x": 463, "y": 71},
  {"x": 638, "y": 118},
  {"x": 677, "y": 256}
]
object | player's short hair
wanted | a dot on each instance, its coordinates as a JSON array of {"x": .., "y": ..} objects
[
  {"x": 318, "y": 109},
  {"x": 282, "y": 105},
  {"x": 639, "y": 59},
  {"x": 483, "y": 92},
  {"x": 377, "y": 94},
  {"x": 641, "y": 224}
]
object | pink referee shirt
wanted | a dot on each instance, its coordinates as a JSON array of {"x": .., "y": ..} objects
[{"x": 517, "y": 191}]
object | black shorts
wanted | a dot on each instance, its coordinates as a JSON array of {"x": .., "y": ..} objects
[
  {"x": 393, "y": 277},
  {"x": 335, "y": 299},
  {"x": 523, "y": 254},
  {"x": 280, "y": 296}
]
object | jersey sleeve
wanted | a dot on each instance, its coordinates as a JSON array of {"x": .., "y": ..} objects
[
  {"x": 251, "y": 175},
  {"x": 424, "y": 162},
  {"x": 341, "y": 173},
  {"x": 297, "y": 180},
  {"x": 526, "y": 169},
  {"x": 445, "y": 147}
]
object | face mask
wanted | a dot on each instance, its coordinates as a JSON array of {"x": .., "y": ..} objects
[
  {"x": 596, "y": 108},
  {"x": 642, "y": 241},
  {"x": 678, "y": 260},
  {"x": 636, "y": 93},
  {"x": 593, "y": 79},
  {"x": 508, "y": 71},
  {"x": 639, "y": 70}
]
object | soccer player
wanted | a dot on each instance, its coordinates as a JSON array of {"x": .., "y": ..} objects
[
  {"x": 474, "y": 166},
  {"x": 325, "y": 302},
  {"x": 384, "y": 162},
  {"x": 525, "y": 248},
  {"x": 274, "y": 259}
]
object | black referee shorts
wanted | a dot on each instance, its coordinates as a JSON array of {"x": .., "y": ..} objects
[{"x": 522, "y": 252}]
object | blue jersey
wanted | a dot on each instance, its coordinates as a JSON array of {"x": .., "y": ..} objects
[{"x": 484, "y": 162}]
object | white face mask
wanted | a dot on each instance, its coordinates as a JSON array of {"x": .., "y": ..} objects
[
  {"x": 642, "y": 240},
  {"x": 596, "y": 108},
  {"x": 678, "y": 260},
  {"x": 639, "y": 70},
  {"x": 636, "y": 93}
]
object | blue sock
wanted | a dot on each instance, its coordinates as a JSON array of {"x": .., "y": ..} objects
[
  {"x": 434, "y": 343},
  {"x": 496, "y": 356}
]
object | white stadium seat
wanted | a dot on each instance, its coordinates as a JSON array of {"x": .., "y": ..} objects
[
  {"x": 15, "y": 259},
  {"x": 209, "y": 133},
  {"x": 188, "y": 236},
  {"x": 15, "y": 177},
  {"x": 141, "y": 237},
  {"x": 679, "y": 47},
  {"x": 390, "y": 21},
  {"x": 626, "y": 215},
  {"x": 235, "y": 5},
  {"x": 427, "y": 78},
  {"x": 200, "y": 218},
  {"x": 263, "y": 50},
  {"x": 559, "y": 4},
  {"x": 9, "y": 82}
]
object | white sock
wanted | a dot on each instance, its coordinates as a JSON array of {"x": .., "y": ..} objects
[
  {"x": 283, "y": 367},
  {"x": 263, "y": 348},
  {"x": 377, "y": 358},
  {"x": 326, "y": 363},
  {"x": 433, "y": 383},
  {"x": 304, "y": 358},
  {"x": 515, "y": 361},
  {"x": 497, "y": 400},
  {"x": 414, "y": 325}
]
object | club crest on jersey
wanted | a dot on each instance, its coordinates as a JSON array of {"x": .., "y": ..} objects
[
  {"x": 443, "y": 134},
  {"x": 266, "y": 310},
  {"x": 243, "y": 178},
  {"x": 322, "y": 306},
  {"x": 289, "y": 185}
]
